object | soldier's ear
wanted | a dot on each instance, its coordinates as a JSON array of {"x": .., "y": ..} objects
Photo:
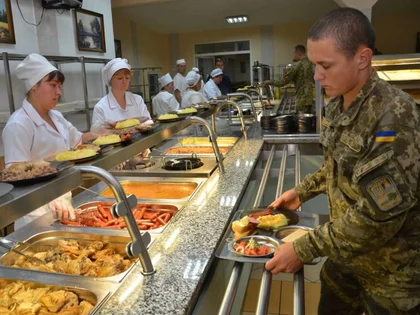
[{"x": 364, "y": 57}]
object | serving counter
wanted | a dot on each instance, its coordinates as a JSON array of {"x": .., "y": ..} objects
[{"x": 182, "y": 254}]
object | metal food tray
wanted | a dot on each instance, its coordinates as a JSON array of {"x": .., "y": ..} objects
[
  {"x": 95, "y": 293},
  {"x": 118, "y": 243},
  {"x": 160, "y": 150},
  {"x": 198, "y": 181},
  {"x": 223, "y": 252},
  {"x": 150, "y": 207},
  {"x": 221, "y": 141}
]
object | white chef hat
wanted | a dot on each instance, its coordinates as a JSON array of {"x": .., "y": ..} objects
[
  {"x": 192, "y": 78},
  {"x": 180, "y": 61},
  {"x": 216, "y": 72},
  {"x": 165, "y": 80},
  {"x": 113, "y": 66},
  {"x": 195, "y": 69},
  {"x": 32, "y": 69}
]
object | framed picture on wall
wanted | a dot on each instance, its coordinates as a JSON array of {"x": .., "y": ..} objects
[
  {"x": 418, "y": 43},
  {"x": 90, "y": 33},
  {"x": 118, "y": 50},
  {"x": 7, "y": 32}
]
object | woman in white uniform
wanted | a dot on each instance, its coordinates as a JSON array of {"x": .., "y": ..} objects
[
  {"x": 196, "y": 70},
  {"x": 118, "y": 104},
  {"x": 211, "y": 90},
  {"x": 165, "y": 101},
  {"x": 37, "y": 131},
  {"x": 192, "y": 95}
]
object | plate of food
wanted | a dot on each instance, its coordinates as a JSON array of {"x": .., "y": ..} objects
[
  {"x": 262, "y": 221},
  {"x": 94, "y": 147},
  {"x": 112, "y": 139},
  {"x": 77, "y": 156},
  {"x": 186, "y": 111},
  {"x": 167, "y": 118},
  {"x": 27, "y": 173},
  {"x": 254, "y": 246},
  {"x": 127, "y": 123}
]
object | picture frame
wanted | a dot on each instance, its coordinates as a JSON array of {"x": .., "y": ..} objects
[
  {"x": 90, "y": 32},
  {"x": 118, "y": 48},
  {"x": 7, "y": 31}
]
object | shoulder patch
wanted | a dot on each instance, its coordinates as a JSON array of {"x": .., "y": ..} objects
[
  {"x": 384, "y": 192},
  {"x": 373, "y": 163},
  {"x": 385, "y": 136}
]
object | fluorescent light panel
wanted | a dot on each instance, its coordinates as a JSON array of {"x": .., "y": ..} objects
[{"x": 237, "y": 19}]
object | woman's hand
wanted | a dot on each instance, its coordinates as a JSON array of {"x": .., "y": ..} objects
[
  {"x": 288, "y": 200},
  {"x": 62, "y": 209}
]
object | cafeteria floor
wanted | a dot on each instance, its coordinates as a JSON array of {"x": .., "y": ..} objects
[{"x": 281, "y": 295}]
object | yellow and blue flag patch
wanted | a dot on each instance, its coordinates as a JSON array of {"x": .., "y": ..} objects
[{"x": 385, "y": 136}]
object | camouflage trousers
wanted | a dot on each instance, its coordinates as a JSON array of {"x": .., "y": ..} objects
[{"x": 342, "y": 294}]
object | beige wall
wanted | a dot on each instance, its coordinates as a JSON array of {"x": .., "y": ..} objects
[
  {"x": 286, "y": 37},
  {"x": 188, "y": 40},
  {"x": 152, "y": 47},
  {"x": 396, "y": 34}
]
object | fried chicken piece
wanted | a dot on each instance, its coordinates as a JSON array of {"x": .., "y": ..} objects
[
  {"x": 60, "y": 266},
  {"x": 108, "y": 271},
  {"x": 70, "y": 311},
  {"x": 93, "y": 272},
  {"x": 73, "y": 267},
  {"x": 45, "y": 311},
  {"x": 5, "y": 310},
  {"x": 6, "y": 300},
  {"x": 92, "y": 248},
  {"x": 103, "y": 253},
  {"x": 13, "y": 287},
  {"x": 69, "y": 246},
  {"x": 27, "y": 308},
  {"x": 71, "y": 301},
  {"x": 85, "y": 264},
  {"x": 54, "y": 301},
  {"x": 30, "y": 295},
  {"x": 85, "y": 308}
]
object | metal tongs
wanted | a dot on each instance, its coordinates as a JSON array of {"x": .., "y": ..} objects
[{"x": 6, "y": 244}]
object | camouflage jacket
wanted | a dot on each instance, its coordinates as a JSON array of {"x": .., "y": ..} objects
[
  {"x": 302, "y": 75},
  {"x": 371, "y": 177}
]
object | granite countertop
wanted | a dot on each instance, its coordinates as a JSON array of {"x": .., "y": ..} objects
[{"x": 183, "y": 254}]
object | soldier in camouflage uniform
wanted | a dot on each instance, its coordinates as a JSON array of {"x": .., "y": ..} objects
[
  {"x": 302, "y": 75},
  {"x": 371, "y": 140}
]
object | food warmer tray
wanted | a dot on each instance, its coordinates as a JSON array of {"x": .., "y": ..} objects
[
  {"x": 160, "y": 150},
  {"x": 98, "y": 188},
  {"x": 156, "y": 169},
  {"x": 95, "y": 292},
  {"x": 223, "y": 252},
  {"x": 51, "y": 237}
]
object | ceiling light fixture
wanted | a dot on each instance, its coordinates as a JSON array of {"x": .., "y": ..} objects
[{"x": 237, "y": 19}]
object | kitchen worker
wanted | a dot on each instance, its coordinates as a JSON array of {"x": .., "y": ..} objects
[
  {"x": 301, "y": 74},
  {"x": 119, "y": 103},
  {"x": 211, "y": 89},
  {"x": 37, "y": 131},
  {"x": 195, "y": 69},
  {"x": 165, "y": 101},
  {"x": 371, "y": 140},
  {"x": 192, "y": 95},
  {"x": 179, "y": 79},
  {"x": 224, "y": 85}
]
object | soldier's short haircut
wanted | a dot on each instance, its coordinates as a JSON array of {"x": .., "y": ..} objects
[
  {"x": 349, "y": 27},
  {"x": 300, "y": 49}
]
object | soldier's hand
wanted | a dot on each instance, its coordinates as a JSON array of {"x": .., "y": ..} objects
[
  {"x": 284, "y": 260},
  {"x": 288, "y": 200}
]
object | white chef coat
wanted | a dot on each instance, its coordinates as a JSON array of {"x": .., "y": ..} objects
[
  {"x": 164, "y": 102},
  {"x": 202, "y": 87},
  {"x": 211, "y": 89},
  {"x": 180, "y": 84},
  {"x": 188, "y": 101},
  {"x": 28, "y": 137},
  {"x": 108, "y": 109}
]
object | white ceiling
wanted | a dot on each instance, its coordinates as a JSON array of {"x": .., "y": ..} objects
[{"x": 179, "y": 16}]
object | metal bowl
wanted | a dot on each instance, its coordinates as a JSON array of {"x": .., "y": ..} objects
[{"x": 262, "y": 240}]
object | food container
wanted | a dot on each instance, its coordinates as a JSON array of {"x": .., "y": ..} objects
[
  {"x": 172, "y": 190},
  {"x": 204, "y": 141},
  {"x": 28, "y": 287},
  {"x": 198, "y": 150},
  {"x": 146, "y": 215},
  {"x": 51, "y": 238}
]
